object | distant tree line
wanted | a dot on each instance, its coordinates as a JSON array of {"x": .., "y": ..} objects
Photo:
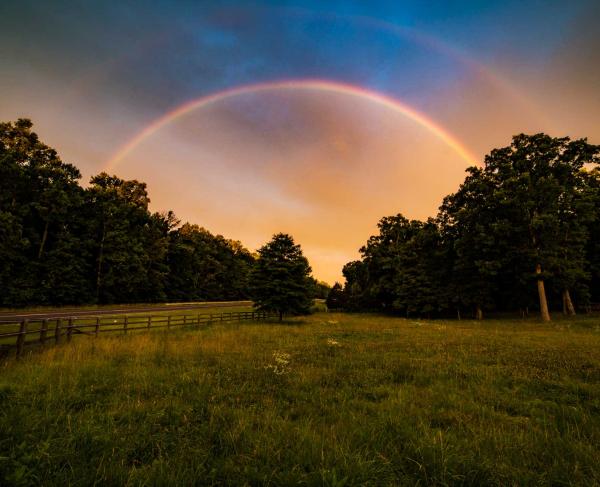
[
  {"x": 61, "y": 243},
  {"x": 521, "y": 233}
]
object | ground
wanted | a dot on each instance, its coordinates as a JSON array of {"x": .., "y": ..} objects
[{"x": 328, "y": 399}]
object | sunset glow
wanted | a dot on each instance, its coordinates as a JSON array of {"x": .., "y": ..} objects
[{"x": 305, "y": 118}]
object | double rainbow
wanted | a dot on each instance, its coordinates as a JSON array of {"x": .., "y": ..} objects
[{"x": 289, "y": 85}]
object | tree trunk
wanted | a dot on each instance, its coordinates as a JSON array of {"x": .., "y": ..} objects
[
  {"x": 545, "y": 314},
  {"x": 568, "y": 307},
  {"x": 478, "y": 313},
  {"x": 280, "y": 316},
  {"x": 458, "y": 313},
  {"x": 99, "y": 270},
  {"x": 43, "y": 242}
]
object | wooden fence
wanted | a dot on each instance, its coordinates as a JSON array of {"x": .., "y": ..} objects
[{"x": 16, "y": 335}]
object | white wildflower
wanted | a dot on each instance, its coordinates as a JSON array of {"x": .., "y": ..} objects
[
  {"x": 281, "y": 363},
  {"x": 333, "y": 343}
]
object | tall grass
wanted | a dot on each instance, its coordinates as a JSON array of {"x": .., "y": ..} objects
[{"x": 330, "y": 399}]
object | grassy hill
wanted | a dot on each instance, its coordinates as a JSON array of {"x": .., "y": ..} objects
[{"x": 330, "y": 399}]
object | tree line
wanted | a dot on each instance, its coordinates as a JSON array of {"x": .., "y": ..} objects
[
  {"x": 61, "y": 243},
  {"x": 521, "y": 233}
]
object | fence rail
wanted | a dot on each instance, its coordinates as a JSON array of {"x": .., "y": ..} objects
[{"x": 16, "y": 335}]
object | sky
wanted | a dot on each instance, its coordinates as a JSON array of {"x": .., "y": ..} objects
[{"x": 314, "y": 118}]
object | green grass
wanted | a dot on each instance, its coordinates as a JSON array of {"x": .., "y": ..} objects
[{"x": 330, "y": 399}]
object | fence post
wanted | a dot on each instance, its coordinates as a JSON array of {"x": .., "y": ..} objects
[
  {"x": 125, "y": 323},
  {"x": 70, "y": 330},
  {"x": 57, "y": 331},
  {"x": 149, "y": 322},
  {"x": 43, "y": 331},
  {"x": 184, "y": 320},
  {"x": 168, "y": 322},
  {"x": 21, "y": 337},
  {"x": 97, "y": 329}
]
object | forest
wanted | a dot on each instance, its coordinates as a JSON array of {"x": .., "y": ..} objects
[
  {"x": 521, "y": 234},
  {"x": 61, "y": 243}
]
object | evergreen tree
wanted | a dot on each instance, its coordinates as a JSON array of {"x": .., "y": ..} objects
[
  {"x": 336, "y": 297},
  {"x": 280, "y": 280}
]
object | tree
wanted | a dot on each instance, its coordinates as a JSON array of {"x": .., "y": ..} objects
[
  {"x": 280, "y": 280},
  {"x": 539, "y": 186},
  {"x": 593, "y": 244},
  {"x": 320, "y": 289},
  {"x": 420, "y": 284},
  {"x": 466, "y": 219},
  {"x": 356, "y": 274},
  {"x": 119, "y": 220},
  {"x": 43, "y": 255},
  {"x": 403, "y": 268},
  {"x": 206, "y": 267},
  {"x": 524, "y": 218},
  {"x": 336, "y": 297}
]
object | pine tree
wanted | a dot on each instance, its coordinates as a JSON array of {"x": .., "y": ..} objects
[
  {"x": 280, "y": 280},
  {"x": 336, "y": 297}
]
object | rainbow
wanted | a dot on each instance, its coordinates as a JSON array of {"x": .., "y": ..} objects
[{"x": 310, "y": 84}]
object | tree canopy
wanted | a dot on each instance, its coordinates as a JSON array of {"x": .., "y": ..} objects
[
  {"x": 280, "y": 280},
  {"x": 64, "y": 244},
  {"x": 524, "y": 224},
  {"x": 521, "y": 233}
]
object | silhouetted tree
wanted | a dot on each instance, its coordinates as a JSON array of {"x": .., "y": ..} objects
[
  {"x": 336, "y": 297},
  {"x": 280, "y": 280}
]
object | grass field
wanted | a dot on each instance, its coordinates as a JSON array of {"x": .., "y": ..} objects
[{"x": 329, "y": 399}]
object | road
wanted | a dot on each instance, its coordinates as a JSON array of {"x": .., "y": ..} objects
[{"x": 117, "y": 310}]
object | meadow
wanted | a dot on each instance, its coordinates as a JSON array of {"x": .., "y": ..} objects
[{"x": 328, "y": 399}]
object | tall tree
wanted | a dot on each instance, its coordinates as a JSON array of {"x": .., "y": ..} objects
[
  {"x": 120, "y": 218},
  {"x": 593, "y": 244},
  {"x": 467, "y": 221},
  {"x": 41, "y": 200},
  {"x": 336, "y": 298},
  {"x": 538, "y": 183},
  {"x": 356, "y": 289},
  {"x": 280, "y": 280},
  {"x": 206, "y": 267}
]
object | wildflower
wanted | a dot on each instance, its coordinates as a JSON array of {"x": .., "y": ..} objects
[
  {"x": 333, "y": 343},
  {"x": 281, "y": 363}
]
